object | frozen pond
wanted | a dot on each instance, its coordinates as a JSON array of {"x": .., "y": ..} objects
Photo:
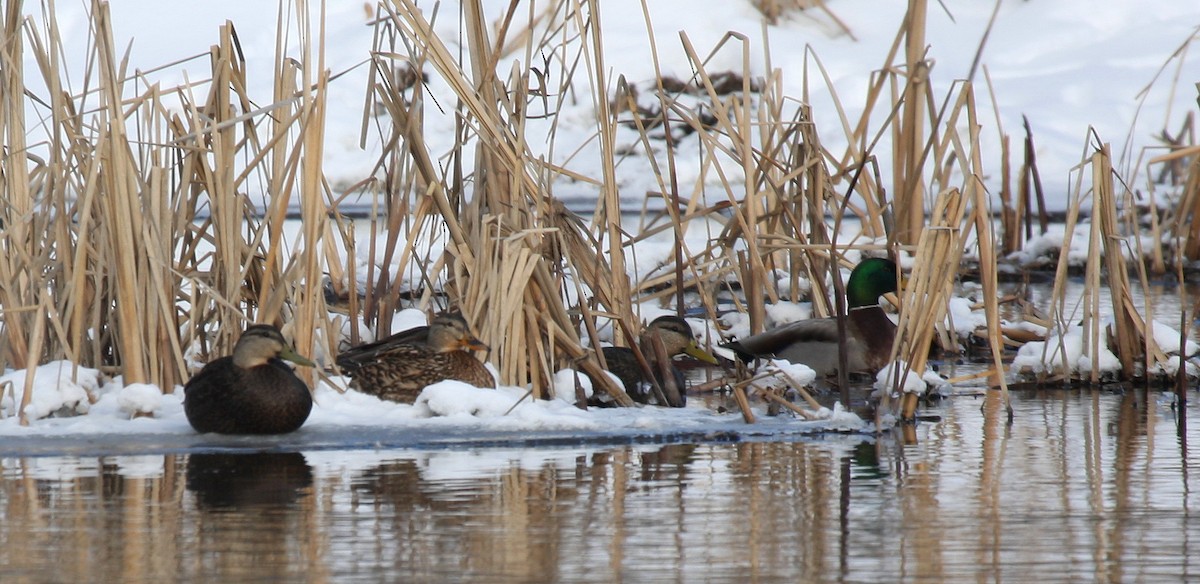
[{"x": 1085, "y": 485}]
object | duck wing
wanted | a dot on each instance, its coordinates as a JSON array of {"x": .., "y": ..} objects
[
  {"x": 401, "y": 371},
  {"x": 355, "y": 357},
  {"x": 814, "y": 342},
  {"x": 783, "y": 340}
]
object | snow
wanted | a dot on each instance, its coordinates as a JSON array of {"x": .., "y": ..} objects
[
  {"x": 1048, "y": 357},
  {"x": 1167, "y": 339},
  {"x": 1065, "y": 351},
  {"x": 779, "y": 375},
  {"x": 962, "y": 319},
  {"x": 58, "y": 387},
  {"x": 797, "y": 374},
  {"x": 139, "y": 399},
  {"x": 1044, "y": 249},
  {"x": 441, "y": 406},
  {"x": 1065, "y": 65},
  {"x": 62, "y": 394},
  {"x": 564, "y": 384},
  {"x": 909, "y": 381}
]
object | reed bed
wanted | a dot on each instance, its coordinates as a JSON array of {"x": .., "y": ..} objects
[
  {"x": 132, "y": 243},
  {"x": 1125, "y": 332},
  {"x": 772, "y": 218},
  {"x": 137, "y": 241}
]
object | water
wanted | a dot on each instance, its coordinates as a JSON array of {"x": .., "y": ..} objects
[{"x": 1085, "y": 485}]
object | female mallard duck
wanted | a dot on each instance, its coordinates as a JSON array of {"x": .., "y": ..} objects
[
  {"x": 677, "y": 339},
  {"x": 814, "y": 342},
  {"x": 252, "y": 391},
  {"x": 399, "y": 367}
]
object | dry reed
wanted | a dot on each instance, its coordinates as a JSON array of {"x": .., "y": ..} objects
[
  {"x": 137, "y": 242},
  {"x": 141, "y": 245}
]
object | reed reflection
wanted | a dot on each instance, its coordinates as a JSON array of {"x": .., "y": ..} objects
[
  {"x": 1090, "y": 486},
  {"x": 443, "y": 514}
]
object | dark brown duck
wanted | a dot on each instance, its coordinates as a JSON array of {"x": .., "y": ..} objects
[
  {"x": 252, "y": 391},
  {"x": 677, "y": 339}
]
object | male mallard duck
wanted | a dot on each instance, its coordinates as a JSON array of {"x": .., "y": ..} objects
[
  {"x": 399, "y": 367},
  {"x": 252, "y": 391},
  {"x": 677, "y": 339},
  {"x": 814, "y": 342}
]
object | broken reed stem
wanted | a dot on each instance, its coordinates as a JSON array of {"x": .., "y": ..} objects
[
  {"x": 739, "y": 395},
  {"x": 1105, "y": 268},
  {"x": 610, "y": 215},
  {"x": 35, "y": 348},
  {"x": 807, "y": 397},
  {"x": 981, "y": 219},
  {"x": 671, "y": 192},
  {"x": 1133, "y": 339},
  {"x": 927, "y": 295},
  {"x": 1184, "y": 220},
  {"x": 772, "y": 397},
  {"x": 734, "y": 122},
  {"x": 311, "y": 314},
  {"x": 516, "y": 200},
  {"x": 942, "y": 243}
]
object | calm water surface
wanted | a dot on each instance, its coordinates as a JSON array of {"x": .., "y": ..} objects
[{"x": 1084, "y": 486}]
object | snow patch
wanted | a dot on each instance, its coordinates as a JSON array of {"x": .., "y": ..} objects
[{"x": 60, "y": 388}]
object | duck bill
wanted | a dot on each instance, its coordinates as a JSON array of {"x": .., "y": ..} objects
[
  {"x": 474, "y": 344},
  {"x": 290, "y": 354},
  {"x": 694, "y": 351}
]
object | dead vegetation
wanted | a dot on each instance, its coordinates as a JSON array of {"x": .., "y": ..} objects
[{"x": 153, "y": 224}]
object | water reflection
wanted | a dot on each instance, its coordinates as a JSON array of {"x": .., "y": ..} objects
[
  {"x": 226, "y": 480},
  {"x": 252, "y": 517},
  {"x": 1092, "y": 486}
]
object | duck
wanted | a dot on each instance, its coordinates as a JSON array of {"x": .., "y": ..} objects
[
  {"x": 814, "y": 342},
  {"x": 677, "y": 339},
  {"x": 398, "y": 367},
  {"x": 252, "y": 391}
]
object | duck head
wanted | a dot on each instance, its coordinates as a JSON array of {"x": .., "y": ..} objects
[
  {"x": 871, "y": 278},
  {"x": 677, "y": 338},
  {"x": 449, "y": 332},
  {"x": 261, "y": 343}
]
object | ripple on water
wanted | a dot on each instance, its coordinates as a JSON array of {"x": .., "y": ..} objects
[{"x": 1083, "y": 485}]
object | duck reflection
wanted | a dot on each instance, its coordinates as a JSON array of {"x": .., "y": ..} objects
[
  {"x": 225, "y": 480},
  {"x": 398, "y": 482},
  {"x": 669, "y": 463},
  {"x": 864, "y": 461},
  {"x": 491, "y": 513}
]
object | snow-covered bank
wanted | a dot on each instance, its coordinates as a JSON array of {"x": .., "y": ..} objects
[{"x": 445, "y": 412}]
